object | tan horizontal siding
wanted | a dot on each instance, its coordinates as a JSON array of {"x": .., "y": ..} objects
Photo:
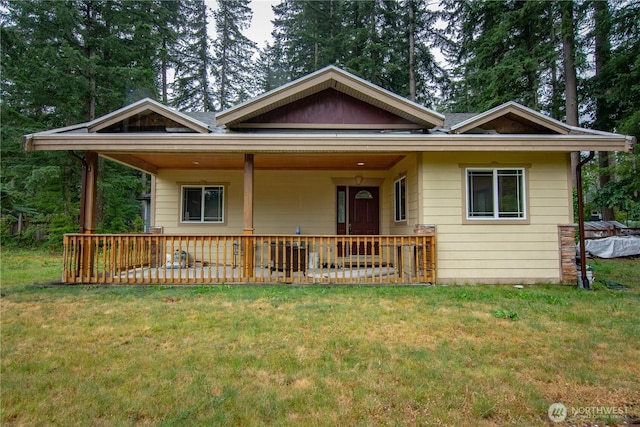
[
  {"x": 492, "y": 251},
  {"x": 283, "y": 200},
  {"x": 504, "y": 237},
  {"x": 408, "y": 167},
  {"x": 167, "y": 199},
  {"x": 512, "y": 251},
  {"x": 510, "y": 277}
]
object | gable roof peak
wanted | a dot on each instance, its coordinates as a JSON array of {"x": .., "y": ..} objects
[
  {"x": 147, "y": 104},
  {"x": 517, "y": 109},
  {"x": 334, "y": 78}
]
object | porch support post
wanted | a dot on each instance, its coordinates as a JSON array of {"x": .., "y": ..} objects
[
  {"x": 248, "y": 262},
  {"x": 89, "y": 191},
  {"x": 88, "y": 213}
]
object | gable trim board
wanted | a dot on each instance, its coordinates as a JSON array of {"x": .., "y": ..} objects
[
  {"x": 144, "y": 105},
  {"x": 516, "y": 109}
]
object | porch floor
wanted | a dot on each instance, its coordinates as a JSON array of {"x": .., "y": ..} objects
[{"x": 261, "y": 274}]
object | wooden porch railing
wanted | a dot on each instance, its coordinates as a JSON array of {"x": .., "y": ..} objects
[{"x": 172, "y": 259}]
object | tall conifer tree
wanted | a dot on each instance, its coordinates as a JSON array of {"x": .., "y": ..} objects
[
  {"x": 65, "y": 63},
  {"x": 167, "y": 21},
  {"x": 385, "y": 42},
  {"x": 233, "y": 53},
  {"x": 191, "y": 87},
  {"x": 501, "y": 48},
  {"x": 615, "y": 90}
]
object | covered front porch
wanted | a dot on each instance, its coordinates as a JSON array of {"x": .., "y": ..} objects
[
  {"x": 229, "y": 218},
  {"x": 293, "y": 259},
  {"x": 248, "y": 209},
  {"x": 329, "y": 157}
]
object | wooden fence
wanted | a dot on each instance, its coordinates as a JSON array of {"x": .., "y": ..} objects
[{"x": 173, "y": 259}]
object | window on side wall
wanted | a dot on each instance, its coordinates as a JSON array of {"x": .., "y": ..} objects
[
  {"x": 202, "y": 204},
  {"x": 400, "y": 199},
  {"x": 496, "y": 194}
]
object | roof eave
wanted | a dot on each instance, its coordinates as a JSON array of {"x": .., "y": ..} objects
[{"x": 325, "y": 142}]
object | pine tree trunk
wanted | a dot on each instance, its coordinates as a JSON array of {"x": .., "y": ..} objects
[
  {"x": 412, "y": 42},
  {"x": 163, "y": 71},
  {"x": 91, "y": 72},
  {"x": 223, "y": 67},
  {"x": 315, "y": 55},
  {"x": 571, "y": 81},
  {"x": 556, "y": 95}
]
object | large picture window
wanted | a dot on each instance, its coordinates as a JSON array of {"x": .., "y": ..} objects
[
  {"x": 496, "y": 193},
  {"x": 400, "y": 199},
  {"x": 204, "y": 204}
]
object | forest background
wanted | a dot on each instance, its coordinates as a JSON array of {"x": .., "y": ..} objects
[{"x": 70, "y": 61}]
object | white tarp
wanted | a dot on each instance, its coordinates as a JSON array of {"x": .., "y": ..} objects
[{"x": 613, "y": 247}]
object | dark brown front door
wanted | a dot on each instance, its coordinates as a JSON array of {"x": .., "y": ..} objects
[
  {"x": 364, "y": 210},
  {"x": 362, "y": 216}
]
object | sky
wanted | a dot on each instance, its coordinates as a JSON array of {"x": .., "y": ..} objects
[{"x": 261, "y": 26}]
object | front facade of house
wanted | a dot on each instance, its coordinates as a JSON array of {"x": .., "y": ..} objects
[{"x": 332, "y": 179}]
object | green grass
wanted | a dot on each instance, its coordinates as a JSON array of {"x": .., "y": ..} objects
[
  {"x": 21, "y": 267},
  {"x": 239, "y": 355}
]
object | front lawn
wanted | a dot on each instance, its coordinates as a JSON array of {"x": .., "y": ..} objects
[{"x": 244, "y": 355}]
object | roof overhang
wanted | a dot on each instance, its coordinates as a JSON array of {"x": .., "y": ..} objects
[
  {"x": 325, "y": 142},
  {"x": 151, "y": 152},
  {"x": 340, "y": 80}
]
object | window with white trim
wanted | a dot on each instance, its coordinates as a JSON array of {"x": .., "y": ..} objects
[
  {"x": 496, "y": 193},
  {"x": 400, "y": 199},
  {"x": 202, "y": 204}
]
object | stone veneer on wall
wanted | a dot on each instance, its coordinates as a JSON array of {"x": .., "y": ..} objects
[{"x": 567, "y": 242}]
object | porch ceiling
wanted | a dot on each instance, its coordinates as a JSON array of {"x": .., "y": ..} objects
[{"x": 151, "y": 162}]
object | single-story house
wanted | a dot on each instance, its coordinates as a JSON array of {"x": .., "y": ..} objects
[{"x": 332, "y": 179}]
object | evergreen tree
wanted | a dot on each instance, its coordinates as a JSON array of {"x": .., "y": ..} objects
[
  {"x": 42, "y": 63},
  {"x": 65, "y": 63},
  {"x": 502, "y": 49},
  {"x": 622, "y": 70},
  {"x": 167, "y": 21},
  {"x": 362, "y": 45},
  {"x": 233, "y": 53},
  {"x": 191, "y": 88},
  {"x": 615, "y": 90},
  {"x": 278, "y": 53},
  {"x": 270, "y": 68},
  {"x": 602, "y": 29},
  {"x": 385, "y": 42},
  {"x": 427, "y": 79},
  {"x": 568, "y": 34}
]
